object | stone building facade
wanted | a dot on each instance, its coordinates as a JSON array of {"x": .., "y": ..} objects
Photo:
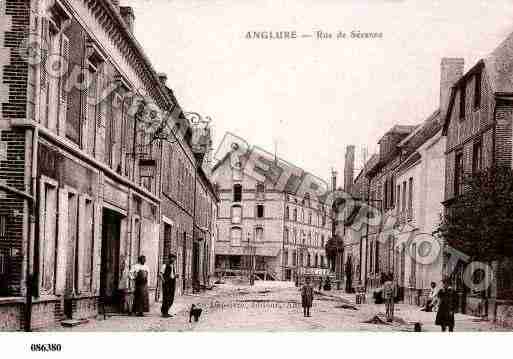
[{"x": 80, "y": 184}]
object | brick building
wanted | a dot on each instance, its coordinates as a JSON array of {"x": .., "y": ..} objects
[
  {"x": 404, "y": 183},
  {"x": 478, "y": 127},
  {"x": 285, "y": 231},
  {"x": 82, "y": 190}
]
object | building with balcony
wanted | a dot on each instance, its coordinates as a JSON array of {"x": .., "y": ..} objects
[{"x": 276, "y": 230}]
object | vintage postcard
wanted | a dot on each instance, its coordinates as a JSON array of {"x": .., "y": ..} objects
[{"x": 291, "y": 165}]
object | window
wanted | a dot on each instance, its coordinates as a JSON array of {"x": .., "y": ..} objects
[
  {"x": 371, "y": 257},
  {"x": 322, "y": 241},
  {"x": 410, "y": 198},
  {"x": 458, "y": 174},
  {"x": 477, "y": 91},
  {"x": 236, "y": 214},
  {"x": 285, "y": 258},
  {"x": 463, "y": 89},
  {"x": 310, "y": 217},
  {"x": 237, "y": 192},
  {"x": 287, "y": 213},
  {"x": 476, "y": 157},
  {"x": 295, "y": 214},
  {"x": 259, "y": 234},
  {"x": 403, "y": 207},
  {"x": 398, "y": 199},
  {"x": 3, "y": 227},
  {"x": 294, "y": 258},
  {"x": 376, "y": 259},
  {"x": 260, "y": 211},
  {"x": 260, "y": 189},
  {"x": 413, "y": 269},
  {"x": 48, "y": 242},
  {"x": 236, "y": 236},
  {"x": 286, "y": 235}
]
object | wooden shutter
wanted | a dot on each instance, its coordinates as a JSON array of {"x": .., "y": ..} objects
[
  {"x": 44, "y": 80},
  {"x": 63, "y": 94},
  {"x": 62, "y": 240}
]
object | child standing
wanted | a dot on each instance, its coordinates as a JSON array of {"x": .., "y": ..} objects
[{"x": 307, "y": 297}]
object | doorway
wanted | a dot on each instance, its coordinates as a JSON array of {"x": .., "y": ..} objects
[
  {"x": 109, "y": 277},
  {"x": 195, "y": 266}
]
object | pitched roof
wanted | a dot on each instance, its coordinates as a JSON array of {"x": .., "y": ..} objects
[{"x": 499, "y": 66}]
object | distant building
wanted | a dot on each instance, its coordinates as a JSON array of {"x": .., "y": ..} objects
[{"x": 284, "y": 231}]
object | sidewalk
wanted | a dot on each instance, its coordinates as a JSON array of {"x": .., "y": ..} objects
[
  {"x": 152, "y": 321},
  {"x": 410, "y": 314}
]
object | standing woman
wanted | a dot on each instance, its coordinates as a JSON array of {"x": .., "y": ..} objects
[
  {"x": 446, "y": 307},
  {"x": 307, "y": 297},
  {"x": 168, "y": 276},
  {"x": 139, "y": 274}
]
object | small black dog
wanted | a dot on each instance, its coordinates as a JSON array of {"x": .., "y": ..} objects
[{"x": 194, "y": 312}]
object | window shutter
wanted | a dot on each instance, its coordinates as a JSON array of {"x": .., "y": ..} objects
[
  {"x": 63, "y": 94},
  {"x": 62, "y": 240},
  {"x": 44, "y": 81}
]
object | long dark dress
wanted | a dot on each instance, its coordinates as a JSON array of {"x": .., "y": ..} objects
[
  {"x": 141, "y": 296},
  {"x": 446, "y": 307},
  {"x": 306, "y": 296},
  {"x": 168, "y": 290}
]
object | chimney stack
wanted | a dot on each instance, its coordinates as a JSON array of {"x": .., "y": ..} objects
[
  {"x": 163, "y": 78},
  {"x": 349, "y": 169},
  {"x": 333, "y": 180},
  {"x": 451, "y": 69},
  {"x": 127, "y": 13},
  {"x": 115, "y": 3}
]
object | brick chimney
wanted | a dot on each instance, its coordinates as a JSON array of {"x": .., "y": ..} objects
[
  {"x": 451, "y": 69},
  {"x": 127, "y": 13},
  {"x": 349, "y": 169},
  {"x": 333, "y": 180},
  {"x": 163, "y": 78},
  {"x": 115, "y": 3}
]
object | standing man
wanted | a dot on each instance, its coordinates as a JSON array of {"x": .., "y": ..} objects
[
  {"x": 168, "y": 276},
  {"x": 447, "y": 303},
  {"x": 389, "y": 293},
  {"x": 139, "y": 274},
  {"x": 306, "y": 297}
]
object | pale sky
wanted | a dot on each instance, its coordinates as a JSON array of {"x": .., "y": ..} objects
[{"x": 314, "y": 97}]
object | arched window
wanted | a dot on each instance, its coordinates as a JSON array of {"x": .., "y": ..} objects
[
  {"x": 286, "y": 235},
  {"x": 287, "y": 213},
  {"x": 236, "y": 214},
  {"x": 237, "y": 192},
  {"x": 236, "y": 236}
]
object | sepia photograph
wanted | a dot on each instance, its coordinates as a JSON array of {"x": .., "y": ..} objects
[{"x": 289, "y": 166}]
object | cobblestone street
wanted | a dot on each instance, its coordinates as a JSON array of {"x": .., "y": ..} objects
[{"x": 275, "y": 306}]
